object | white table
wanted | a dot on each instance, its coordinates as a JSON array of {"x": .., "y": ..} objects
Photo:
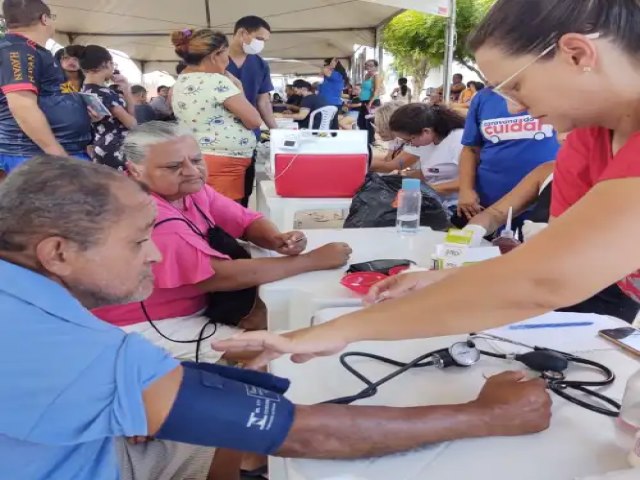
[
  {"x": 282, "y": 211},
  {"x": 579, "y": 442},
  {"x": 292, "y": 302}
]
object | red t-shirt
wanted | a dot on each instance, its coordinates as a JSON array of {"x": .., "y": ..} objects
[{"x": 586, "y": 159}]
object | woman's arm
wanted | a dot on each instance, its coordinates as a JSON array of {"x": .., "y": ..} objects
[
  {"x": 300, "y": 115},
  {"x": 241, "y": 108},
  {"x": 446, "y": 188},
  {"x": 385, "y": 163},
  {"x": 232, "y": 275},
  {"x": 124, "y": 117},
  {"x": 520, "y": 198},
  {"x": 565, "y": 264}
]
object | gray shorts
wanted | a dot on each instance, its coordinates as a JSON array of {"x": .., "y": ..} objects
[{"x": 162, "y": 460}]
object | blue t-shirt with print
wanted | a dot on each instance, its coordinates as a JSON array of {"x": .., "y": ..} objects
[
  {"x": 71, "y": 383},
  {"x": 511, "y": 146},
  {"x": 27, "y": 66}
]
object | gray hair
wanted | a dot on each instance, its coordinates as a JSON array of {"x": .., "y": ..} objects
[
  {"x": 50, "y": 195},
  {"x": 148, "y": 134}
]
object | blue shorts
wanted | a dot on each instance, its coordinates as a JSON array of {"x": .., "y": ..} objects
[{"x": 8, "y": 163}]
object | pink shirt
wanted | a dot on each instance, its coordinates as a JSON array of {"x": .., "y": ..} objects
[{"x": 186, "y": 257}]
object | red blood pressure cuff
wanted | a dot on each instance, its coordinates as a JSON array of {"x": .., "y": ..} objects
[{"x": 229, "y": 408}]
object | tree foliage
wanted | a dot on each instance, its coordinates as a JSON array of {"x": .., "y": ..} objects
[{"x": 417, "y": 40}]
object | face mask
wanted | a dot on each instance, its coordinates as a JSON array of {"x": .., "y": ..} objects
[{"x": 253, "y": 48}]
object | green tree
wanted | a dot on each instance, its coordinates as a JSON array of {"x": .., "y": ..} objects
[{"x": 417, "y": 40}]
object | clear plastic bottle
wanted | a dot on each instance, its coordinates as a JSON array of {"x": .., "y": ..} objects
[
  {"x": 628, "y": 423},
  {"x": 409, "y": 206}
]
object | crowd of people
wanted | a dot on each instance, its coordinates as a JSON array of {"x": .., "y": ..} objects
[{"x": 124, "y": 227}]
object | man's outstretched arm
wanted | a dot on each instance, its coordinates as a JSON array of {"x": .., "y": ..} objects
[{"x": 508, "y": 405}]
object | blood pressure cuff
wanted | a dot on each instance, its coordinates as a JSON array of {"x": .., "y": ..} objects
[{"x": 226, "y": 407}]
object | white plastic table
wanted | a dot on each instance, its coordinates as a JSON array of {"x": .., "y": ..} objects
[
  {"x": 578, "y": 444},
  {"x": 282, "y": 211},
  {"x": 292, "y": 302}
]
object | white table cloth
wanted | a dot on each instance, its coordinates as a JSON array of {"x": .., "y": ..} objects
[
  {"x": 578, "y": 444},
  {"x": 292, "y": 302}
]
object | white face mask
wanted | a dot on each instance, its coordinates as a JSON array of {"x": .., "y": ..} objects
[{"x": 253, "y": 48}]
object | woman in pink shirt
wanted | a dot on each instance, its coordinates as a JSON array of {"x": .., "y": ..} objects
[{"x": 169, "y": 162}]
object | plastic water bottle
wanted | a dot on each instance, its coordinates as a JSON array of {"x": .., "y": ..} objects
[
  {"x": 409, "y": 206},
  {"x": 628, "y": 423}
]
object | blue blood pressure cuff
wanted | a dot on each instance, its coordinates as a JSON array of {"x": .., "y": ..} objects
[{"x": 228, "y": 407}]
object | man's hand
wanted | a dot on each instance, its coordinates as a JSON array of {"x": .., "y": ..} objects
[
  {"x": 302, "y": 344},
  {"x": 469, "y": 204},
  {"x": 332, "y": 255},
  {"x": 513, "y": 405},
  {"x": 403, "y": 284},
  {"x": 290, "y": 243}
]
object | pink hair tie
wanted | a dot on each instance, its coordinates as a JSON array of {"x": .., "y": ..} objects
[{"x": 187, "y": 32}]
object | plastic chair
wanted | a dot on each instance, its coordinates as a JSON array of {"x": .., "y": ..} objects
[{"x": 328, "y": 114}]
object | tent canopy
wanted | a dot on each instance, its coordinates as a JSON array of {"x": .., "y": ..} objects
[{"x": 304, "y": 32}]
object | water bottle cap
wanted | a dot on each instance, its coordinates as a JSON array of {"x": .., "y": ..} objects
[{"x": 412, "y": 184}]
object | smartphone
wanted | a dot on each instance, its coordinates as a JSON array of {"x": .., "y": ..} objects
[{"x": 627, "y": 338}]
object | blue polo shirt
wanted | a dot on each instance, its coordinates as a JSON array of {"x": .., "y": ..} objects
[
  {"x": 26, "y": 66},
  {"x": 70, "y": 383},
  {"x": 511, "y": 146}
]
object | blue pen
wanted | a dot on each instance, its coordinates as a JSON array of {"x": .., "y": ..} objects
[{"x": 532, "y": 326}]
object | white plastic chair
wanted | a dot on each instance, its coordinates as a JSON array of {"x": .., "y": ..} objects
[{"x": 328, "y": 114}]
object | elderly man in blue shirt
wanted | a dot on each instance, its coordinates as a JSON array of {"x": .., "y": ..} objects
[{"x": 72, "y": 385}]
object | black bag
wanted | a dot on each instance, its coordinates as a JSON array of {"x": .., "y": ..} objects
[
  {"x": 373, "y": 205},
  {"x": 226, "y": 308},
  {"x": 379, "y": 266}
]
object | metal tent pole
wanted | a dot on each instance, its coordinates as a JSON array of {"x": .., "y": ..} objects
[{"x": 450, "y": 46}]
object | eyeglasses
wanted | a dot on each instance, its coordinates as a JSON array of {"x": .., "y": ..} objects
[{"x": 499, "y": 89}]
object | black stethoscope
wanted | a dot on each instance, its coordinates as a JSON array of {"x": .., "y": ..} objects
[{"x": 551, "y": 364}]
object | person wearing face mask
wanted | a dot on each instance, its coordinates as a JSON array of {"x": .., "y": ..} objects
[
  {"x": 67, "y": 58},
  {"x": 249, "y": 37},
  {"x": 392, "y": 154},
  {"x": 109, "y": 133},
  {"x": 574, "y": 65},
  {"x": 434, "y": 134},
  {"x": 210, "y": 102}
]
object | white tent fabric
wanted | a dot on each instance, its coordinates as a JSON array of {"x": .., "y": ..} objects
[
  {"x": 304, "y": 32},
  {"x": 434, "y": 7}
]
